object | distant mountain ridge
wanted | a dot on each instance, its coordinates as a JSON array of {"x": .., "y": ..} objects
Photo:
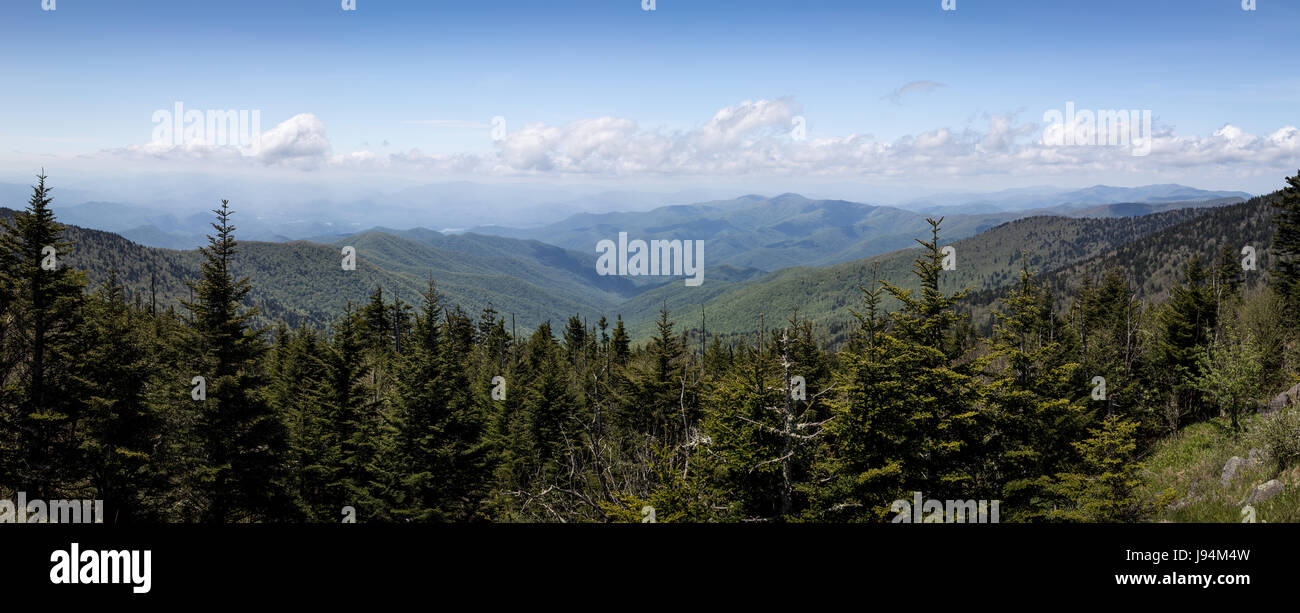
[
  {"x": 988, "y": 261},
  {"x": 757, "y": 232},
  {"x": 301, "y": 282},
  {"x": 1047, "y": 198}
]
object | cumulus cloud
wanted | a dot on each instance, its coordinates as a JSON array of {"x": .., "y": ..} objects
[
  {"x": 299, "y": 137},
  {"x": 754, "y": 138},
  {"x": 299, "y": 140}
]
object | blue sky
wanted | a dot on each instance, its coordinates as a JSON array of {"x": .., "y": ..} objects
[{"x": 423, "y": 79}]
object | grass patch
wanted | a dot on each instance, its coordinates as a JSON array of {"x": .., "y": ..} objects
[{"x": 1188, "y": 467}]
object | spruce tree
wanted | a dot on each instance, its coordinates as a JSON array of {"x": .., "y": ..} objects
[
  {"x": 1035, "y": 411},
  {"x": 910, "y": 417},
  {"x": 124, "y": 437},
  {"x": 1286, "y": 247},
  {"x": 439, "y": 428},
  {"x": 1104, "y": 487},
  {"x": 621, "y": 343},
  {"x": 43, "y": 297},
  {"x": 240, "y": 472}
]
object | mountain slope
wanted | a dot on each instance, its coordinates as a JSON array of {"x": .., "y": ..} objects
[
  {"x": 757, "y": 232},
  {"x": 1155, "y": 262},
  {"x": 1045, "y": 198},
  {"x": 824, "y": 295},
  {"x": 303, "y": 282}
]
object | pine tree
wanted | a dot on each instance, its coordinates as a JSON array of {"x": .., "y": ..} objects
[
  {"x": 1187, "y": 323},
  {"x": 439, "y": 429},
  {"x": 356, "y": 423},
  {"x": 764, "y": 429},
  {"x": 240, "y": 472},
  {"x": 1035, "y": 414},
  {"x": 1286, "y": 247},
  {"x": 910, "y": 417},
  {"x": 659, "y": 404},
  {"x": 123, "y": 436},
  {"x": 42, "y": 301},
  {"x": 379, "y": 326},
  {"x": 1104, "y": 489},
  {"x": 621, "y": 343},
  {"x": 300, "y": 389}
]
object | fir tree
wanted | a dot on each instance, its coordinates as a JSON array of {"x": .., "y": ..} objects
[
  {"x": 438, "y": 427},
  {"x": 42, "y": 300},
  {"x": 124, "y": 436},
  {"x": 1286, "y": 247},
  {"x": 239, "y": 474}
]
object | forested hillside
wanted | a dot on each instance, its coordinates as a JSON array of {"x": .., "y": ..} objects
[
  {"x": 987, "y": 261},
  {"x": 763, "y": 233},
  {"x": 304, "y": 282},
  {"x": 428, "y": 412}
]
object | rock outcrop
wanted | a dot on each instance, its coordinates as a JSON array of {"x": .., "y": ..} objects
[
  {"x": 1283, "y": 400},
  {"x": 1263, "y": 492}
]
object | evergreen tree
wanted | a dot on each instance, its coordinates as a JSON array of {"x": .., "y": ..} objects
[
  {"x": 42, "y": 314},
  {"x": 438, "y": 427},
  {"x": 356, "y": 423},
  {"x": 240, "y": 472},
  {"x": 300, "y": 389},
  {"x": 621, "y": 343},
  {"x": 124, "y": 437},
  {"x": 1104, "y": 490},
  {"x": 1187, "y": 323},
  {"x": 1035, "y": 413},
  {"x": 1286, "y": 247},
  {"x": 910, "y": 416}
]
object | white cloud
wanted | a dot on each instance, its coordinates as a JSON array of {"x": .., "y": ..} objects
[
  {"x": 752, "y": 139},
  {"x": 297, "y": 138},
  {"x": 913, "y": 87}
]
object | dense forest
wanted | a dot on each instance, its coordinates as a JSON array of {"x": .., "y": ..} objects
[{"x": 199, "y": 412}]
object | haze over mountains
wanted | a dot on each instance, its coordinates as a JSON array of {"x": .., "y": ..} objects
[
  {"x": 791, "y": 230},
  {"x": 764, "y": 257},
  {"x": 174, "y": 212}
]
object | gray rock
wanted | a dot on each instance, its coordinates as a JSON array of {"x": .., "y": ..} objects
[
  {"x": 1263, "y": 492},
  {"x": 1283, "y": 400},
  {"x": 1230, "y": 470},
  {"x": 1256, "y": 456}
]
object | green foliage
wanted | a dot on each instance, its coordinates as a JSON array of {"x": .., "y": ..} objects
[
  {"x": 1231, "y": 368},
  {"x": 911, "y": 417},
  {"x": 42, "y": 298},
  {"x": 356, "y": 399},
  {"x": 1105, "y": 490},
  {"x": 1035, "y": 407},
  {"x": 1279, "y": 435},
  {"x": 240, "y": 473},
  {"x": 1286, "y": 246}
]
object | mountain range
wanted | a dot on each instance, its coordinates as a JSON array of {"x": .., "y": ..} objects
[{"x": 765, "y": 257}]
